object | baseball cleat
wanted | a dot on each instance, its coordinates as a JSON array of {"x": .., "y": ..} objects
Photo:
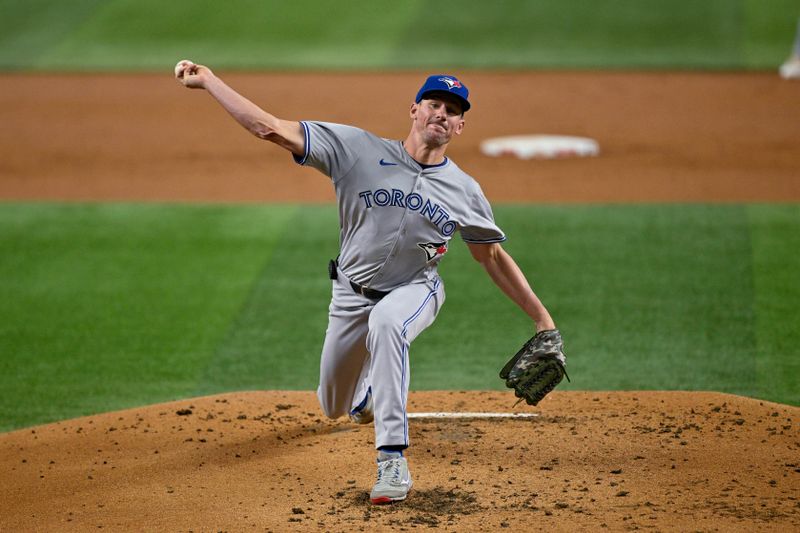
[
  {"x": 363, "y": 412},
  {"x": 394, "y": 481}
]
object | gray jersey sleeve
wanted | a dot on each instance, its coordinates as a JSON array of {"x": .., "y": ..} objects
[
  {"x": 479, "y": 226},
  {"x": 331, "y": 148}
]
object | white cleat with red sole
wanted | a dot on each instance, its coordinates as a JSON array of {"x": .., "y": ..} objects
[{"x": 394, "y": 481}]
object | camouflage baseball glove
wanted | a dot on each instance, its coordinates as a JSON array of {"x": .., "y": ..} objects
[{"x": 537, "y": 368}]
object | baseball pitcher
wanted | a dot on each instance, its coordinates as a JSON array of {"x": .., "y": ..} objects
[{"x": 400, "y": 203}]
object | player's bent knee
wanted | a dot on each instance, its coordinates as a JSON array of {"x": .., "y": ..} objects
[
  {"x": 332, "y": 412},
  {"x": 333, "y": 415},
  {"x": 329, "y": 407}
]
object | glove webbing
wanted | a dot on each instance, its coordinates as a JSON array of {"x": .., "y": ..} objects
[{"x": 546, "y": 373}]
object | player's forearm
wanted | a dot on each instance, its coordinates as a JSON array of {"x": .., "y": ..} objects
[
  {"x": 507, "y": 275},
  {"x": 249, "y": 115},
  {"x": 284, "y": 133}
]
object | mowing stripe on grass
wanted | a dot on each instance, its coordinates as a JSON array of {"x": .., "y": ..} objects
[
  {"x": 31, "y": 28},
  {"x": 776, "y": 257},
  {"x": 319, "y": 34},
  {"x": 648, "y": 297},
  {"x": 108, "y": 306},
  {"x": 275, "y": 340}
]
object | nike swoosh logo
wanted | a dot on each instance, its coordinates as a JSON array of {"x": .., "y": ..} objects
[{"x": 387, "y": 163}]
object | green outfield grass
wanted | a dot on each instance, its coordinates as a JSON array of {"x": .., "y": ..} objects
[
  {"x": 108, "y": 306},
  {"x": 126, "y": 35}
]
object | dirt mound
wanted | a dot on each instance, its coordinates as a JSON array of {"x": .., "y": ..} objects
[{"x": 270, "y": 461}]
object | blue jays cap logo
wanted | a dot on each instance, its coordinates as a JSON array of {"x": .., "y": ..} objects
[
  {"x": 452, "y": 83},
  {"x": 448, "y": 84}
]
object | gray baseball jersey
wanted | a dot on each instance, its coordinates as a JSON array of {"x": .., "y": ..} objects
[{"x": 396, "y": 217}]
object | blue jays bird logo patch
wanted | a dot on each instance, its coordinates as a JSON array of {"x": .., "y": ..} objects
[
  {"x": 451, "y": 83},
  {"x": 433, "y": 249}
]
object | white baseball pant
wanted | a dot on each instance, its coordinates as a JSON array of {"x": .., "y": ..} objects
[{"x": 366, "y": 345}]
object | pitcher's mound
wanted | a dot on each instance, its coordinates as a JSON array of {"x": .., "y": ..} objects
[{"x": 263, "y": 461}]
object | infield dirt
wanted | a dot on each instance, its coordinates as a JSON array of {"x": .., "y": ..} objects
[
  {"x": 663, "y": 137},
  {"x": 268, "y": 461}
]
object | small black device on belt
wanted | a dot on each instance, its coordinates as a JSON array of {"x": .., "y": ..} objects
[{"x": 333, "y": 273}]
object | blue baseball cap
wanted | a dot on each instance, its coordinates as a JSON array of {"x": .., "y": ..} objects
[{"x": 445, "y": 84}]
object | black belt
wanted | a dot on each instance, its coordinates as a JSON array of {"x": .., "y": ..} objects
[{"x": 372, "y": 294}]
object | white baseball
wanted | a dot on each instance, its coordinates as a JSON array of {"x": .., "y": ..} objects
[{"x": 181, "y": 67}]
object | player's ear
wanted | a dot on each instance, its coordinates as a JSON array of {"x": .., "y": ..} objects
[
  {"x": 413, "y": 112},
  {"x": 459, "y": 127}
]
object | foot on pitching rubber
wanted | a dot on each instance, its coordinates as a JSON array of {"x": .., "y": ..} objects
[
  {"x": 394, "y": 480},
  {"x": 363, "y": 412}
]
